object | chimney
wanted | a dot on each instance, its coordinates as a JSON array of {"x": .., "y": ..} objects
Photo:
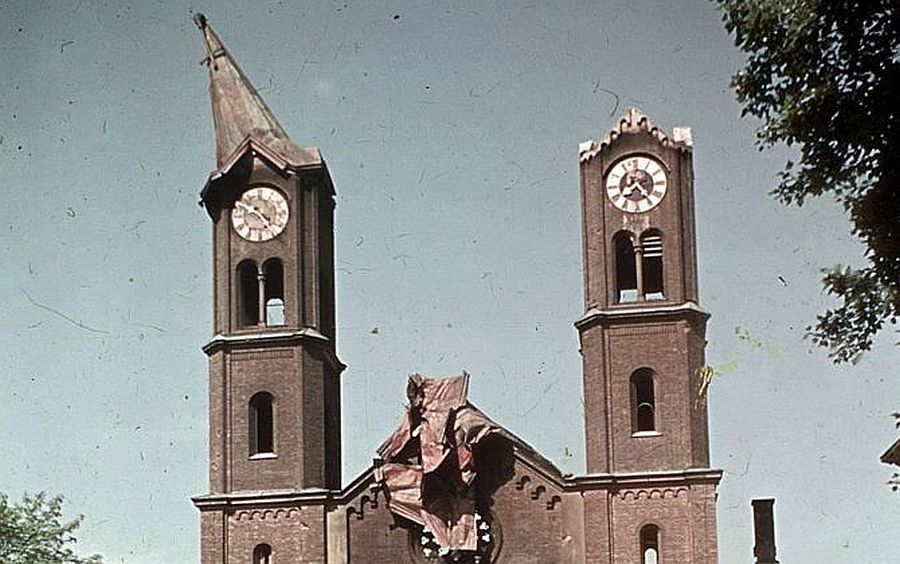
[{"x": 764, "y": 530}]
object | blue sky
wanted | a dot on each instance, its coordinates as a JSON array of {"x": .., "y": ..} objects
[{"x": 451, "y": 132}]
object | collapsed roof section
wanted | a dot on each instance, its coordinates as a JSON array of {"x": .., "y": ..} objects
[{"x": 429, "y": 465}]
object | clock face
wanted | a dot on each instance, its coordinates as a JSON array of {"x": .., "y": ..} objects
[
  {"x": 260, "y": 214},
  {"x": 636, "y": 184}
]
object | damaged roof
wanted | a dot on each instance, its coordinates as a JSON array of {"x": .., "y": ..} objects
[
  {"x": 240, "y": 115},
  {"x": 428, "y": 466}
]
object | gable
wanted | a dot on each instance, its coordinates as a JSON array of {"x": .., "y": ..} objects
[{"x": 533, "y": 519}]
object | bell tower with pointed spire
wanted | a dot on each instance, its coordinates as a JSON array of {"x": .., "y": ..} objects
[{"x": 274, "y": 388}]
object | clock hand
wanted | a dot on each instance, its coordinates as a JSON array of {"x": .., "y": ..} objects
[
  {"x": 254, "y": 211},
  {"x": 635, "y": 185},
  {"x": 264, "y": 219}
]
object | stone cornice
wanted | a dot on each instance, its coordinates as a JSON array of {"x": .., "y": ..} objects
[
  {"x": 567, "y": 483},
  {"x": 310, "y": 496},
  {"x": 254, "y": 340},
  {"x": 644, "y": 312},
  {"x": 690, "y": 476}
]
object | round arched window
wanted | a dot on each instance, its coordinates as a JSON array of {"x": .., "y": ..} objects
[
  {"x": 262, "y": 554},
  {"x": 650, "y": 544}
]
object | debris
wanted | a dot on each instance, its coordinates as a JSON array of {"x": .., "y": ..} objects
[{"x": 431, "y": 486}]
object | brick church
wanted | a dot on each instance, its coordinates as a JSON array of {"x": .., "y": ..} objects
[{"x": 450, "y": 484}]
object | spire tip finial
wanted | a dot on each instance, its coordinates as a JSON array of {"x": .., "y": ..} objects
[{"x": 199, "y": 20}]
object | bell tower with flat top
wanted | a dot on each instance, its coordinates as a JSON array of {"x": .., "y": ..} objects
[{"x": 642, "y": 343}]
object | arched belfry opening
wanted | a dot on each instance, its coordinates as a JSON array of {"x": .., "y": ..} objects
[
  {"x": 626, "y": 268},
  {"x": 260, "y": 296},
  {"x": 652, "y": 264},
  {"x": 273, "y": 278},
  {"x": 638, "y": 268},
  {"x": 248, "y": 293},
  {"x": 643, "y": 401}
]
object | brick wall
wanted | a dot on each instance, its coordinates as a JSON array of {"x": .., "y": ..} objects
[{"x": 540, "y": 524}]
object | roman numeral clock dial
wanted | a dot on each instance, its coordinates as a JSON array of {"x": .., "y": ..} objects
[
  {"x": 260, "y": 214},
  {"x": 636, "y": 184}
]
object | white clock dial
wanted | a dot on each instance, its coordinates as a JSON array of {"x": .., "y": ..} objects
[
  {"x": 260, "y": 214},
  {"x": 636, "y": 184}
]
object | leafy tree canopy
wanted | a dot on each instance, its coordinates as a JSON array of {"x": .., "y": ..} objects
[
  {"x": 34, "y": 531},
  {"x": 824, "y": 76}
]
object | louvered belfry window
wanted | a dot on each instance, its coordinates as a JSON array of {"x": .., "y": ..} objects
[{"x": 652, "y": 271}]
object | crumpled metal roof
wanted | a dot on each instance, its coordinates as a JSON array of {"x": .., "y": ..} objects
[
  {"x": 428, "y": 464},
  {"x": 239, "y": 113}
]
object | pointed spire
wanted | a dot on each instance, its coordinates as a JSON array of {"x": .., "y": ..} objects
[{"x": 239, "y": 113}]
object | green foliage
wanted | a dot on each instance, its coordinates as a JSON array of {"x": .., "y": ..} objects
[
  {"x": 33, "y": 531},
  {"x": 824, "y": 76}
]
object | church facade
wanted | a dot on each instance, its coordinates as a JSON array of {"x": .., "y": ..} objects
[{"x": 276, "y": 495}]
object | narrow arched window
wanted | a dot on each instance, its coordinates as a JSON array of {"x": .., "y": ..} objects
[
  {"x": 262, "y": 554},
  {"x": 652, "y": 267},
  {"x": 626, "y": 274},
  {"x": 262, "y": 424},
  {"x": 273, "y": 273},
  {"x": 643, "y": 401},
  {"x": 649, "y": 544},
  {"x": 248, "y": 293}
]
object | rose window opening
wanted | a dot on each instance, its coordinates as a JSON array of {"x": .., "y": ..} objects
[{"x": 488, "y": 544}]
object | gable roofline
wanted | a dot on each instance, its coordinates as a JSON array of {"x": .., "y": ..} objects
[
  {"x": 303, "y": 159},
  {"x": 522, "y": 452},
  {"x": 569, "y": 482},
  {"x": 292, "y": 161},
  {"x": 527, "y": 454},
  {"x": 635, "y": 121}
]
